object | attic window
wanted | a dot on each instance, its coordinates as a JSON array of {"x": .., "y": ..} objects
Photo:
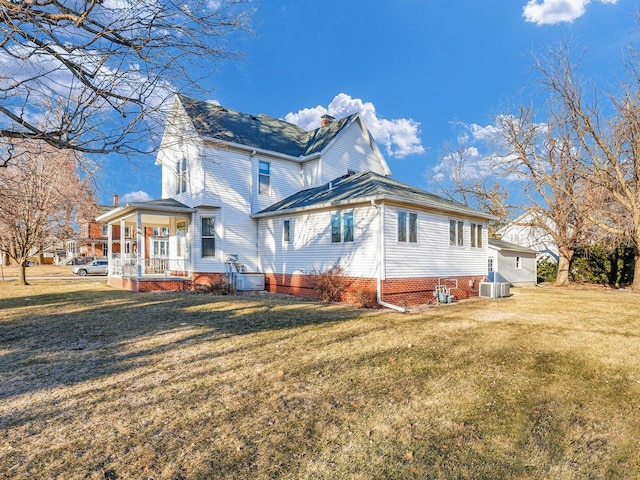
[{"x": 181, "y": 176}]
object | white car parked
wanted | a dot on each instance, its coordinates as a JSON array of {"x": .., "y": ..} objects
[{"x": 96, "y": 267}]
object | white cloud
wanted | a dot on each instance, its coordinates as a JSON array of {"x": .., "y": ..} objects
[
  {"x": 399, "y": 137},
  {"x": 551, "y": 12},
  {"x": 133, "y": 197}
]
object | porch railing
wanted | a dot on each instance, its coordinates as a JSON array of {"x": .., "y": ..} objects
[{"x": 151, "y": 267}]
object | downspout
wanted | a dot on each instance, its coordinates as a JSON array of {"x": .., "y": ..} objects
[{"x": 381, "y": 261}]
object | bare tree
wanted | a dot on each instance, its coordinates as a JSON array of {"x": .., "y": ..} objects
[
  {"x": 551, "y": 170},
  {"x": 465, "y": 180},
  {"x": 609, "y": 134},
  {"x": 105, "y": 67},
  {"x": 40, "y": 193}
]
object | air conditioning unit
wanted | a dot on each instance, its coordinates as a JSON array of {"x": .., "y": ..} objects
[
  {"x": 249, "y": 281},
  {"x": 488, "y": 290},
  {"x": 494, "y": 290}
]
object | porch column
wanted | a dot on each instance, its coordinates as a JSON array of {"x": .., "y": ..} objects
[
  {"x": 139, "y": 243},
  {"x": 124, "y": 257},
  {"x": 109, "y": 249}
]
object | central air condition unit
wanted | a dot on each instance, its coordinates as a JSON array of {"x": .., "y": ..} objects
[
  {"x": 494, "y": 290},
  {"x": 488, "y": 290},
  {"x": 249, "y": 281}
]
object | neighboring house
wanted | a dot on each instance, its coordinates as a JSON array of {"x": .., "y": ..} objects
[
  {"x": 92, "y": 238},
  {"x": 512, "y": 263},
  {"x": 290, "y": 204},
  {"x": 521, "y": 232}
]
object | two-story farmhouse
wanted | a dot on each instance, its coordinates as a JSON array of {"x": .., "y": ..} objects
[{"x": 289, "y": 203}]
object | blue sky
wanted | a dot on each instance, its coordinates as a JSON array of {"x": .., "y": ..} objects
[{"x": 417, "y": 69}]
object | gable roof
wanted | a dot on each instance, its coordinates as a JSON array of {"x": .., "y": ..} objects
[
  {"x": 501, "y": 245},
  {"x": 365, "y": 187},
  {"x": 262, "y": 131}
]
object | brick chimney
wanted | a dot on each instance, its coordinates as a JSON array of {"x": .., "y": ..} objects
[
  {"x": 326, "y": 120},
  {"x": 115, "y": 200}
]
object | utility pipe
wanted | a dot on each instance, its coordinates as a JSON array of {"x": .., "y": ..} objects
[{"x": 381, "y": 261}]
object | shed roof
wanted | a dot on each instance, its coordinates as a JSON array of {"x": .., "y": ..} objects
[{"x": 499, "y": 245}]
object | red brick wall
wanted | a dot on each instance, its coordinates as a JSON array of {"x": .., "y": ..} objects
[{"x": 399, "y": 291}]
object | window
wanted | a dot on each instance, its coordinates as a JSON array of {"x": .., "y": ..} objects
[
  {"x": 105, "y": 230},
  {"x": 342, "y": 229},
  {"x": 105, "y": 249},
  {"x": 347, "y": 229},
  {"x": 181, "y": 176},
  {"x": 286, "y": 231},
  {"x": 264, "y": 177},
  {"x": 181, "y": 234},
  {"x": 208, "y": 237},
  {"x": 476, "y": 235},
  {"x": 160, "y": 232},
  {"x": 127, "y": 232},
  {"x": 407, "y": 227},
  {"x": 490, "y": 266},
  {"x": 518, "y": 263},
  {"x": 456, "y": 233},
  {"x": 160, "y": 248},
  {"x": 336, "y": 228}
]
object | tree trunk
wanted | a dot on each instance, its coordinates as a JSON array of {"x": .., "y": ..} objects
[
  {"x": 635, "y": 286},
  {"x": 22, "y": 277},
  {"x": 564, "y": 262}
]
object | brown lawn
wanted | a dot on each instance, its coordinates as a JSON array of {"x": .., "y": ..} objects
[{"x": 102, "y": 384}]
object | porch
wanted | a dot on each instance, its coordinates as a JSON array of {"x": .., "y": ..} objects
[{"x": 148, "y": 243}]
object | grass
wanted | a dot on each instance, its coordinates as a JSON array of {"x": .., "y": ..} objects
[
  {"x": 100, "y": 383},
  {"x": 37, "y": 271}
]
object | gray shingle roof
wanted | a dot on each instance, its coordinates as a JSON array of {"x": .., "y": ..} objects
[
  {"x": 512, "y": 247},
  {"x": 364, "y": 187},
  {"x": 262, "y": 131}
]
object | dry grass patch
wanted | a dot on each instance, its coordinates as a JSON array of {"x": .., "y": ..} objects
[
  {"x": 38, "y": 271},
  {"x": 100, "y": 383}
]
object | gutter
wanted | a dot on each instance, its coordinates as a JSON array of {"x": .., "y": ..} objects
[{"x": 381, "y": 260}]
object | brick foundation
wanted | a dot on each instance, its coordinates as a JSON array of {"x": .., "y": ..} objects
[
  {"x": 152, "y": 285},
  {"x": 398, "y": 291}
]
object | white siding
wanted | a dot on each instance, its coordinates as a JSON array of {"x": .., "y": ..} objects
[
  {"x": 506, "y": 267},
  {"x": 311, "y": 173},
  {"x": 432, "y": 256},
  {"x": 286, "y": 179},
  {"x": 207, "y": 264},
  {"x": 311, "y": 249},
  {"x": 351, "y": 150}
]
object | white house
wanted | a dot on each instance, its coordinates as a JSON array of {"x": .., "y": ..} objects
[
  {"x": 512, "y": 263},
  {"x": 523, "y": 232},
  {"x": 289, "y": 204}
]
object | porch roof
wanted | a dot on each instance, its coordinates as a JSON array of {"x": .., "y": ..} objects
[
  {"x": 501, "y": 245},
  {"x": 168, "y": 206}
]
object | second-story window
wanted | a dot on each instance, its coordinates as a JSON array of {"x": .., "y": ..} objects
[
  {"x": 181, "y": 176},
  {"x": 264, "y": 177},
  {"x": 105, "y": 230}
]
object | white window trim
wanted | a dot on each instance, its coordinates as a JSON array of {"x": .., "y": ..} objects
[
  {"x": 285, "y": 222},
  {"x": 457, "y": 243},
  {"x": 267, "y": 175},
  {"x": 341, "y": 215},
  {"x": 214, "y": 236},
  {"x": 407, "y": 227}
]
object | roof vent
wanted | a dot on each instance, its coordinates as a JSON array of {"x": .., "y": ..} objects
[{"x": 326, "y": 120}]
